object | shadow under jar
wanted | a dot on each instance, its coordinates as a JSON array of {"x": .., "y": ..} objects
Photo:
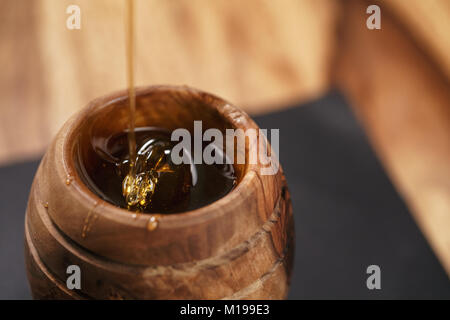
[{"x": 239, "y": 246}]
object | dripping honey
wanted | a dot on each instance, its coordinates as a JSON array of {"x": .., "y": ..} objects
[
  {"x": 132, "y": 189},
  {"x": 134, "y": 169}
]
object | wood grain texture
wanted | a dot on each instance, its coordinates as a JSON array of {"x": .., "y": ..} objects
[
  {"x": 239, "y": 247},
  {"x": 259, "y": 54},
  {"x": 403, "y": 100}
]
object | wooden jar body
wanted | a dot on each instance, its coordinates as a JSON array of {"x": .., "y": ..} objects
[{"x": 239, "y": 247}]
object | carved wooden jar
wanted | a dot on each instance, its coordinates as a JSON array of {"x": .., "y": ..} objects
[{"x": 238, "y": 247}]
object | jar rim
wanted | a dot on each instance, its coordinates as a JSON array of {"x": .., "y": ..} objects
[{"x": 236, "y": 117}]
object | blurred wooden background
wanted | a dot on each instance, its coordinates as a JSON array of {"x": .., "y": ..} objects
[
  {"x": 258, "y": 54},
  {"x": 397, "y": 79}
]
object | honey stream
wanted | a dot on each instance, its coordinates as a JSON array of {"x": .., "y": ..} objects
[{"x": 133, "y": 168}]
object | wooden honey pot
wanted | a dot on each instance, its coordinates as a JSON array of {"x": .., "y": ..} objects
[{"x": 238, "y": 247}]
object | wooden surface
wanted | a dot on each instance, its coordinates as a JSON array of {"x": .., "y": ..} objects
[
  {"x": 239, "y": 247},
  {"x": 258, "y": 54},
  {"x": 402, "y": 97}
]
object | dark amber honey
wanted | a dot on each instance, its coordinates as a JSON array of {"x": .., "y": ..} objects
[{"x": 177, "y": 188}]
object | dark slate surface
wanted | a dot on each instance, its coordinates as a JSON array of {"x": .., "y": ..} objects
[{"x": 347, "y": 213}]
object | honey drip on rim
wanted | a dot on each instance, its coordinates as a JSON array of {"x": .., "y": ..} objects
[{"x": 153, "y": 222}]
